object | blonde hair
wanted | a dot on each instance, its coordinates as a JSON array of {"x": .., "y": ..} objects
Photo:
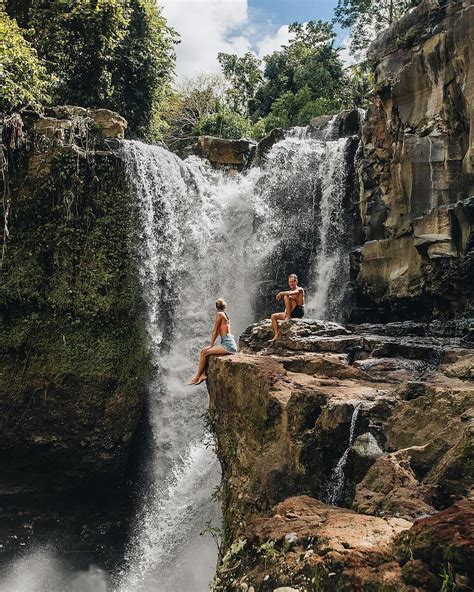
[
  {"x": 293, "y": 275},
  {"x": 221, "y": 304}
]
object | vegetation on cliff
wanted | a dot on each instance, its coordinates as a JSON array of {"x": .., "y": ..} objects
[
  {"x": 73, "y": 348},
  {"x": 112, "y": 53},
  {"x": 368, "y": 18}
]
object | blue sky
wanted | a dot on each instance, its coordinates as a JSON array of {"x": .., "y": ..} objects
[
  {"x": 286, "y": 11},
  {"x": 236, "y": 26}
]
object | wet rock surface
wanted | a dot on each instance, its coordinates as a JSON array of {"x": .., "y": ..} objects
[
  {"x": 219, "y": 151},
  {"x": 395, "y": 404}
]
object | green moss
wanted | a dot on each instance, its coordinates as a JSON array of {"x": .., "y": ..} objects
[{"x": 69, "y": 290}]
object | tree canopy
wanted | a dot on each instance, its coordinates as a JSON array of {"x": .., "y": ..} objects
[
  {"x": 23, "y": 77},
  {"x": 302, "y": 80},
  {"x": 102, "y": 53},
  {"x": 368, "y": 18}
]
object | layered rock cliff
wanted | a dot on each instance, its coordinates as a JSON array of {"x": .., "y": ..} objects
[
  {"x": 416, "y": 210},
  {"x": 73, "y": 359},
  {"x": 347, "y": 457}
]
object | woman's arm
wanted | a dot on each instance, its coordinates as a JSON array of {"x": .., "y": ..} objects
[{"x": 215, "y": 330}]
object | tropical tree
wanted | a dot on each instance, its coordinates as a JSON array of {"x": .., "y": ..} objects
[
  {"x": 303, "y": 79},
  {"x": 244, "y": 76},
  {"x": 189, "y": 105},
  {"x": 102, "y": 53},
  {"x": 23, "y": 78},
  {"x": 368, "y": 18}
]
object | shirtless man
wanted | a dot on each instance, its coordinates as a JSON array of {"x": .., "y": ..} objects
[{"x": 294, "y": 304}]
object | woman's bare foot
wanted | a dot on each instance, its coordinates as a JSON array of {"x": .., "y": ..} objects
[
  {"x": 202, "y": 378},
  {"x": 193, "y": 380},
  {"x": 273, "y": 339}
]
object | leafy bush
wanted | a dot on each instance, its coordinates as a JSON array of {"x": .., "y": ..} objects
[{"x": 23, "y": 77}]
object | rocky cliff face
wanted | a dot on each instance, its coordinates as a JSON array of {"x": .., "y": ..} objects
[
  {"x": 73, "y": 361},
  {"x": 416, "y": 211},
  {"x": 347, "y": 457}
]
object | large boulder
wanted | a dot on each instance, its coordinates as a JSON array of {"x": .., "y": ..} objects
[{"x": 219, "y": 151}]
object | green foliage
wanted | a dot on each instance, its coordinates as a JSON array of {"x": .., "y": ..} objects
[
  {"x": 244, "y": 76},
  {"x": 268, "y": 551},
  {"x": 116, "y": 54},
  {"x": 188, "y": 107},
  {"x": 23, "y": 78},
  {"x": 448, "y": 582},
  {"x": 229, "y": 124},
  {"x": 302, "y": 80},
  {"x": 234, "y": 551},
  {"x": 368, "y": 18},
  {"x": 143, "y": 68}
]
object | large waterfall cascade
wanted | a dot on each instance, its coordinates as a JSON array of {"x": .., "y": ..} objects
[{"x": 205, "y": 234}]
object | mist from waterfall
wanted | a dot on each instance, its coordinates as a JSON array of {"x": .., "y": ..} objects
[{"x": 205, "y": 234}]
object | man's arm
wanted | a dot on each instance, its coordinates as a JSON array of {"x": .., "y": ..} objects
[{"x": 289, "y": 293}]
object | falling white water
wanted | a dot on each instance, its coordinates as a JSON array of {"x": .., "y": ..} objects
[
  {"x": 204, "y": 234},
  {"x": 330, "y": 269},
  {"x": 43, "y": 571},
  {"x": 196, "y": 243},
  {"x": 335, "y": 486},
  {"x": 308, "y": 173}
]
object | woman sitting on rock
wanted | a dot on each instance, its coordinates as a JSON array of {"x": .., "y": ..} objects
[{"x": 227, "y": 347}]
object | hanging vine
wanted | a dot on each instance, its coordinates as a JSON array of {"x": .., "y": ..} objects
[{"x": 12, "y": 138}]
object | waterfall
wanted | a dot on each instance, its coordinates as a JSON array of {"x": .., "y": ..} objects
[
  {"x": 205, "y": 234},
  {"x": 335, "y": 486}
]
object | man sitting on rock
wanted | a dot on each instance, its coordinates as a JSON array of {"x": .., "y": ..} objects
[{"x": 294, "y": 304}]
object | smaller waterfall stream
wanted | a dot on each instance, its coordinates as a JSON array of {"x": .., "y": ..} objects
[{"x": 335, "y": 486}]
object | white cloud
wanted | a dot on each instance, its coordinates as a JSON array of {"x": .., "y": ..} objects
[
  {"x": 345, "y": 54},
  {"x": 206, "y": 28},
  {"x": 272, "y": 43}
]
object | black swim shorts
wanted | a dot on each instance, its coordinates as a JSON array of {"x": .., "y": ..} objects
[{"x": 297, "y": 312}]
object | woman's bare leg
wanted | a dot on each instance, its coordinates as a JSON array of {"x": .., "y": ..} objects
[
  {"x": 201, "y": 365},
  {"x": 215, "y": 350}
]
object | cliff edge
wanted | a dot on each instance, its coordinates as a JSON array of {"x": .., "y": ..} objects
[{"x": 347, "y": 457}]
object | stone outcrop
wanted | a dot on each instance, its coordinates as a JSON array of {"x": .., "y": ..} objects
[
  {"x": 416, "y": 211},
  {"x": 219, "y": 151},
  {"x": 70, "y": 129},
  {"x": 394, "y": 404}
]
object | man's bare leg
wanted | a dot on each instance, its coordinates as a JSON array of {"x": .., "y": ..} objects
[
  {"x": 276, "y": 316},
  {"x": 290, "y": 304}
]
